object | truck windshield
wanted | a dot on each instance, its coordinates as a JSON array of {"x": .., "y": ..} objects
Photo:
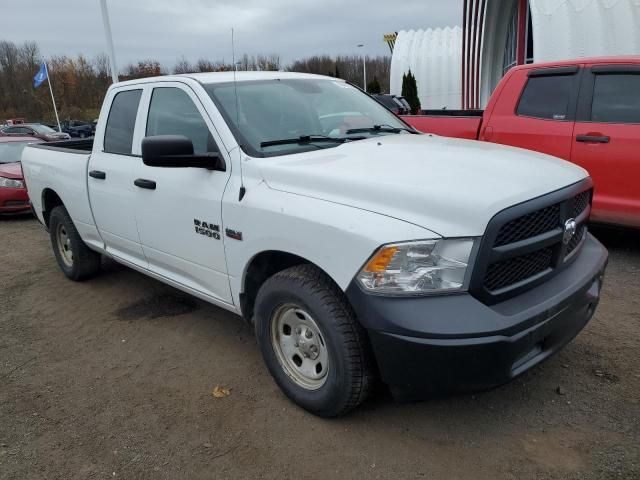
[{"x": 270, "y": 113}]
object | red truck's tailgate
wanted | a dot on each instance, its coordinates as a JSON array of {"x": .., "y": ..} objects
[{"x": 446, "y": 125}]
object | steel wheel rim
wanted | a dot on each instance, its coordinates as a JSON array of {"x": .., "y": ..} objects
[
  {"x": 299, "y": 346},
  {"x": 64, "y": 245}
]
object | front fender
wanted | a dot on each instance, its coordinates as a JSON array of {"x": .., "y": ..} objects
[{"x": 337, "y": 238}]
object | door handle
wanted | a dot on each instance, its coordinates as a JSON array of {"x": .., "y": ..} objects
[
  {"x": 593, "y": 138},
  {"x": 97, "y": 174},
  {"x": 144, "y": 183}
]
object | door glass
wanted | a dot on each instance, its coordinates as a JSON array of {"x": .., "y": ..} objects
[
  {"x": 616, "y": 99},
  {"x": 546, "y": 97},
  {"x": 172, "y": 112},
  {"x": 118, "y": 136}
]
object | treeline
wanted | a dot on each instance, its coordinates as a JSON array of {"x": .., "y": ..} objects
[{"x": 79, "y": 83}]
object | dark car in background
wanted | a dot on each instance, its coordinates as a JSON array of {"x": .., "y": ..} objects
[
  {"x": 36, "y": 130},
  {"x": 13, "y": 192},
  {"x": 395, "y": 103},
  {"x": 77, "y": 128}
]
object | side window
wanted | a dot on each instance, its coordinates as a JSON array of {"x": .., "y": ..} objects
[
  {"x": 616, "y": 99},
  {"x": 547, "y": 97},
  {"x": 172, "y": 112},
  {"x": 118, "y": 136}
]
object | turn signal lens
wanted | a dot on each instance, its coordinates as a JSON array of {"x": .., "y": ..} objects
[{"x": 381, "y": 260}]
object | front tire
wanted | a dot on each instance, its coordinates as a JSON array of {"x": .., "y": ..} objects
[
  {"x": 313, "y": 345},
  {"x": 76, "y": 260}
]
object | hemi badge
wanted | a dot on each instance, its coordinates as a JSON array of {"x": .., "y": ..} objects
[{"x": 233, "y": 234}]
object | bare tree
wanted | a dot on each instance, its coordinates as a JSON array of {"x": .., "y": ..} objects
[
  {"x": 79, "y": 84},
  {"x": 183, "y": 66}
]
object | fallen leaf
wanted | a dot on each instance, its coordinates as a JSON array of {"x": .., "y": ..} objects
[{"x": 220, "y": 392}]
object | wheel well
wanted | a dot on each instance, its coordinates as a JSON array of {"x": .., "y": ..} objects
[
  {"x": 50, "y": 200},
  {"x": 263, "y": 266}
]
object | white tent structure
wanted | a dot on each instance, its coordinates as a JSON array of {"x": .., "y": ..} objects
[
  {"x": 460, "y": 67},
  {"x": 434, "y": 56},
  {"x": 553, "y": 30}
]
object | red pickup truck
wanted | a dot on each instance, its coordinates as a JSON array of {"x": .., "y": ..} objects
[{"x": 586, "y": 111}]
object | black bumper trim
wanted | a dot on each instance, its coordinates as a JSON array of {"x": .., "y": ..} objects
[{"x": 455, "y": 343}]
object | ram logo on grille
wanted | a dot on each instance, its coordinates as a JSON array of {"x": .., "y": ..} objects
[{"x": 570, "y": 228}]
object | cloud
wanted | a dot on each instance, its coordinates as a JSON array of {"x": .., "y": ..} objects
[{"x": 167, "y": 30}]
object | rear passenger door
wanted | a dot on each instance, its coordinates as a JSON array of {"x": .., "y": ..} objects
[
  {"x": 607, "y": 141},
  {"x": 545, "y": 102},
  {"x": 112, "y": 169},
  {"x": 179, "y": 210}
]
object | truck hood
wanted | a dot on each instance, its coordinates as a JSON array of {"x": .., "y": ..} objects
[{"x": 450, "y": 186}]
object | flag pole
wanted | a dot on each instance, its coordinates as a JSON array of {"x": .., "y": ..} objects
[{"x": 55, "y": 110}]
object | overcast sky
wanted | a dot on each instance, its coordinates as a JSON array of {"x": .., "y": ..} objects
[{"x": 167, "y": 29}]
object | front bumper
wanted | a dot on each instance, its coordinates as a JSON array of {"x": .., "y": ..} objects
[{"x": 455, "y": 343}]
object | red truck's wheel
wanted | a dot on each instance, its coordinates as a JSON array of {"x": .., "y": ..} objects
[
  {"x": 312, "y": 343},
  {"x": 76, "y": 260}
]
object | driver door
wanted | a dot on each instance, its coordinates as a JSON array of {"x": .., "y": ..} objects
[{"x": 179, "y": 210}]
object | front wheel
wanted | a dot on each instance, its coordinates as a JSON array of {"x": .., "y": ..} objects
[
  {"x": 314, "y": 347},
  {"x": 76, "y": 260}
]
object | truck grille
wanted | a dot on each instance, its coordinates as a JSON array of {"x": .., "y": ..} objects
[
  {"x": 526, "y": 244},
  {"x": 529, "y": 225},
  {"x": 507, "y": 272}
]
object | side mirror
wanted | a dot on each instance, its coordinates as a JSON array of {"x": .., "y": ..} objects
[{"x": 176, "y": 151}]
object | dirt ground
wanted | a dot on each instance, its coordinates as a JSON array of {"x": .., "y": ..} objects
[{"x": 113, "y": 378}]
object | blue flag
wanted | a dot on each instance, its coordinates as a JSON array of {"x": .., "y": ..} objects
[{"x": 41, "y": 76}]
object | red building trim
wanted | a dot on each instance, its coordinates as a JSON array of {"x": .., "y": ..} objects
[{"x": 523, "y": 9}]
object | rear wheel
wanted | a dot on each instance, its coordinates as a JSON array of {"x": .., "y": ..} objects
[
  {"x": 76, "y": 260},
  {"x": 314, "y": 347}
]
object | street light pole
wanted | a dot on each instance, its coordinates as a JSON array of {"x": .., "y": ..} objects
[
  {"x": 364, "y": 69},
  {"x": 107, "y": 32}
]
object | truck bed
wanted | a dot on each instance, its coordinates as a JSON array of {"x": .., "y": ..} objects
[
  {"x": 71, "y": 146},
  {"x": 448, "y": 123},
  {"x": 59, "y": 167}
]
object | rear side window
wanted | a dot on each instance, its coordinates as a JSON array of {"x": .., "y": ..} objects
[
  {"x": 172, "y": 112},
  {"x": 616, "y": 99},
  {"x": 118, "y": 136},
  {"x": 547, "y": 97}
]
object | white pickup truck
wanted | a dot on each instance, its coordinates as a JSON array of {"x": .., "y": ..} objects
[{"x": 359, "y": 248}]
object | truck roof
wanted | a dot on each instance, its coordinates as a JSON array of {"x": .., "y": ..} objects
[
  {"x": 622, "y": 59},
  {"x": 224, "y": 77}
]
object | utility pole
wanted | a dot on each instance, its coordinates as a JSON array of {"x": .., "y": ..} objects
[
  {"x": 364, "y": 69},
  {"x": 107, "y": 32}
]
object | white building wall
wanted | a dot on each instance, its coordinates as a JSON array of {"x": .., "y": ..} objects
[
  {"x": 565, "y": 29},
  {"x": 435, "y": 58}
]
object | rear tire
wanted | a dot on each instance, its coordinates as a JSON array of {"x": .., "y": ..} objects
[
  {"x": 76, "y": 260},
  {"x": 312, "y": 343}
]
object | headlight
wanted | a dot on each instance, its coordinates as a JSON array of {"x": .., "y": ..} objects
[
  {"x": 11, "y": 183},
  {"x": 426, "y": 266}
]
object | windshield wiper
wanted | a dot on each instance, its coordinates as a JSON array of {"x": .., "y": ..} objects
[
  {"x": 305, "y": 139},
  {"x": 381, "y": 128}
]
